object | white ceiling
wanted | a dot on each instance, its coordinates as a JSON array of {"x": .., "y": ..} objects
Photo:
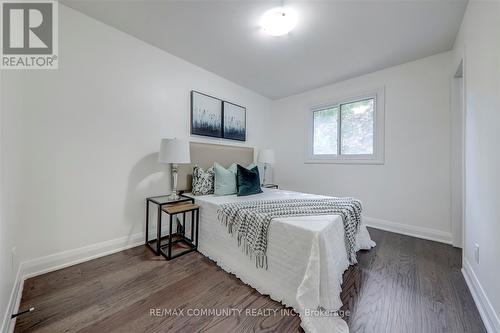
[{"x": 333, "y": 40}]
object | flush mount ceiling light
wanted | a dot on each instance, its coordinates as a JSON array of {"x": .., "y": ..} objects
[{"x": 278, "y": 21}]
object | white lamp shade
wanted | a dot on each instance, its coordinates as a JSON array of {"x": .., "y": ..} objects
[
  {"x": 266, "y": 156},
  {"x": 174, "y": 151}
]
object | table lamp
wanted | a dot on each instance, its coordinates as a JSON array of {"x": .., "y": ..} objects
[
  {"x": 174, "y": 151},
  {"x": 266, "y": 156}
]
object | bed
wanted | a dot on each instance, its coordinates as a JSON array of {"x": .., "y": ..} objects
[{"x": 306, "y": 256}]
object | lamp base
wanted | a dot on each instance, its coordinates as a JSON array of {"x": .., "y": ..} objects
[
  {"x": 264, "y": 177},
  {"x": 174, "y": 196}
]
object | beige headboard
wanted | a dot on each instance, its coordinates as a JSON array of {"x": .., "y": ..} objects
[{"x": 205, "y": 154}]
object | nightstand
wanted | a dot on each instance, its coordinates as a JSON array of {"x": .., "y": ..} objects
[
  {"x": 270, "y": 186},
  {"x": 162, "y": 245}
]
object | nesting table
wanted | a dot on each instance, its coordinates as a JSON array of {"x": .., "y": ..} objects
[{"x": 174, "y": 208}]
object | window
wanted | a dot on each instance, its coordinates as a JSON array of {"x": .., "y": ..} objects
[{"x": 349, "y": 131}]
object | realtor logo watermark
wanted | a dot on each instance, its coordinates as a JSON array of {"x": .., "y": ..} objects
[{"x": 29, "y": 34}]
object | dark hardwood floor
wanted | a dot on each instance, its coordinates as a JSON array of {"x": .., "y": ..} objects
[
  {"x": 412, "y": 285},
  {"x": 406, "y": 285}
]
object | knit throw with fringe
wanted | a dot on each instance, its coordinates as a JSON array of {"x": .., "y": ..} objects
[{"x": 250, "y": 221}]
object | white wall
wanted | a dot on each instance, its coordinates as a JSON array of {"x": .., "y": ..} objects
[
  {"x": 80, "y": 142},
  {"x": 479, "y": 44},
  {"x": 8, "y": 266},
  {"x": 411, "y": 191}
]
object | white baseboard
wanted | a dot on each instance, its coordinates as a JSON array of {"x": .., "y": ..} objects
[
  {"x": 42, "y": 265},
  {"x": 409, "y": 230},
  {"x": 64, "y": 259},
  {"x": 486, "y": 310},
  {"x": 13, "y": 305}
]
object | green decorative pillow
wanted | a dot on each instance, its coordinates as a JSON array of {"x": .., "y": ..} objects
[
  {"x": 225, "y": 179},
  {"x": 248, "y": 181},
  {"x": 251, "y": 166}
]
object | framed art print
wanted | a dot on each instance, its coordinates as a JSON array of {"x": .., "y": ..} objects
[
  {"x": 235, "y": 126},
  {"x": 206, "y": 115}
]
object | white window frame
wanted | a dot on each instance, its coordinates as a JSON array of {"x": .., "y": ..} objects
[{"x": 378, "y": 130}]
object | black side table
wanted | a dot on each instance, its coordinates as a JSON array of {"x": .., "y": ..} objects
[
  {"x": 160, "y": 202},
  {"x": 190, "y": 244}
]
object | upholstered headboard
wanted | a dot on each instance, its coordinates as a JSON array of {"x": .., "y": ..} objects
[{"x": 205, "y": 154}]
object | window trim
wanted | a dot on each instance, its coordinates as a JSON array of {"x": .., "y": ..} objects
[{"x": 378, "y": 133}]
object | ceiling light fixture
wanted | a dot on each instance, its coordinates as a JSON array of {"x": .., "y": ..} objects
[{"x": 278, "y": 21}]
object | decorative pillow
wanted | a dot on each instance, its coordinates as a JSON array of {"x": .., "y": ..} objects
[
  {"x": 203, "y": 181},
  {"x": 248, "y": 181},
  {"x": 225, "y": 179},
  {"x": 251, "y": 166}
]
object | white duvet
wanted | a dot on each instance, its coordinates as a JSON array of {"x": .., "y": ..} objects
[{"x": 306, "y": 258}]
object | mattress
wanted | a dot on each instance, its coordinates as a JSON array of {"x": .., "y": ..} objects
[{"x": 306, "y": 258}]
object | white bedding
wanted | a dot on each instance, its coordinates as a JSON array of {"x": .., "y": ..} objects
[{"x": 306, "y": 257}]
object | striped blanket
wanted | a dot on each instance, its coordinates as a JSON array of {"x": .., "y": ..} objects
[{"x": 250, "y": 220}]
